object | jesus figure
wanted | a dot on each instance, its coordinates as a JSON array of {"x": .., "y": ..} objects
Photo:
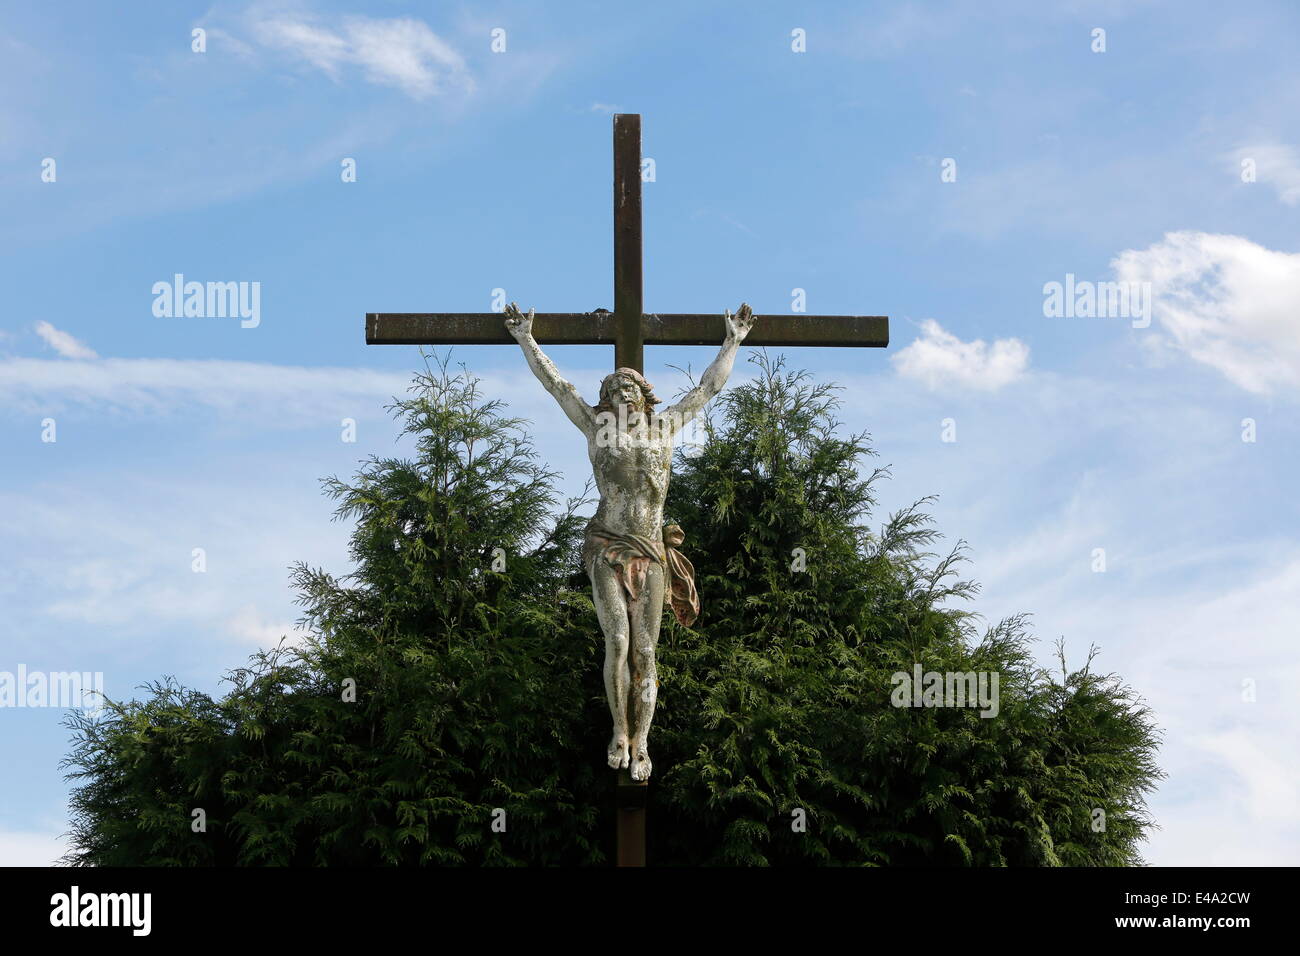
[{"x": 631, "y": 558}]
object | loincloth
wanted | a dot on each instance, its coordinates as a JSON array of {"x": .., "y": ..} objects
[{"x": 630, "y": 555}]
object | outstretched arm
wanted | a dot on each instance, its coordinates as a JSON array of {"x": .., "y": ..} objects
[
  {"x": 521, "y": 327},
  {"x": 715, "y": 376}
]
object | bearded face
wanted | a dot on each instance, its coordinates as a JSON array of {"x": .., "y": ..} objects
[
  {"x": 621, "y": 390},
  {"x": 625, "y": 388}
]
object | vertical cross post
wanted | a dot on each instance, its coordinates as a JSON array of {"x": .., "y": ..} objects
[
  {"x": 629, "y": 352},
  {"x": 628, "y": 348},
  {"x": 631, "y": 798}
]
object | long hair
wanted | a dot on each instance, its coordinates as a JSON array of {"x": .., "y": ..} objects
[{"x": 647, "y": 390}]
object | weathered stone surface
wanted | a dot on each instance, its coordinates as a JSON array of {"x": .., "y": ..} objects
[{"x": 628, "y": 553}]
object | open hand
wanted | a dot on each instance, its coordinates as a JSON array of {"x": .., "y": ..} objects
[
  {"x": 738, "y": 325},
  {"x": 517, "y": 324}
]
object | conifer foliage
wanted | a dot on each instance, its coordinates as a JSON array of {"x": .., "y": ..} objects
[{"x": 448, "y": 708}]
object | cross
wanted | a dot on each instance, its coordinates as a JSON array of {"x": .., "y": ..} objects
[{"x": 627, "y": 328}]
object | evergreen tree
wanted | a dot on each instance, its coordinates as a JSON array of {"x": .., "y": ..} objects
[{"x": 456, "y": 673}]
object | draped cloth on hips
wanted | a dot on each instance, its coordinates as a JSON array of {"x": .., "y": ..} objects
[{"x": 630, "y": 556}]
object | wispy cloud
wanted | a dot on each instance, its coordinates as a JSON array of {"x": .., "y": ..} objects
[
  {"x": 249, "y": 625},
  {"x": 96, "y": 572},
  {"x": 1225, "y": 302},
  {"x": 1275, "y": 165},
  {"x": 64, "y": 343},
  {"x": 166, "y": 385},
  {"x": 1227, "y": 752},
  {"x": 401, "y": 52},
  {"x": 938, "y": 358}
]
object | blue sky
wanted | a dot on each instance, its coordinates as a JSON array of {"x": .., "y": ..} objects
[{"x": 775, "y": 170}]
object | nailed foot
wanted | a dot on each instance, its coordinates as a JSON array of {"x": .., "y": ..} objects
[
  {"x": 641, "y": 765},
  {"x": 618, "y": 752}
]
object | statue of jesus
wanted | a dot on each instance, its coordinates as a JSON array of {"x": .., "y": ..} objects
[{"x": 631, "y": 558}]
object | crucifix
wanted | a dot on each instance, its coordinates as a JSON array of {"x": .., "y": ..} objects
[
  {"x": 627, "y": 328},
  {"x": 631, "y": 558}
]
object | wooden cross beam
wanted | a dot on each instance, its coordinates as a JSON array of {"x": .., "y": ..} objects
[{"x": 628, "y": 328}]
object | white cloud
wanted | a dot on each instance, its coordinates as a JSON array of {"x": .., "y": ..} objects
[
  {"x": 1276, "y": 165},
  {"x": 229, "y": 41},
  {"x": 164, "y": 385},
  {"x": 317, "y": 46},
  {"x": 940, "y": 358},
  {"x": 19, "y": 848},
  {"x": 117, "y": 562},
  {"x": 1270, "y": 784},
  {"x": 248, "y": 625},
  {"x": 63, "y": 343},
  {"x": 403, "y": 53},
  {"x": 1232, "y": 776},
  {"x": 1226, "y": 302}
]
